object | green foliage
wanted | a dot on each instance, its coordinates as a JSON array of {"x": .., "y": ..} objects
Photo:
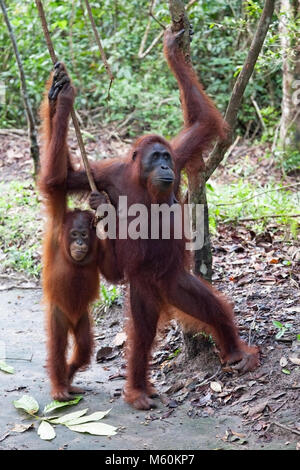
[
  {"x": 20, "y": 228},
  {"x": 291, "y": 162},
  {"x": 144, "y": 91},
  {"x": 143, "y": 87},
  {"x": 226, "y": 203},
  {"x": 110, "y": 295},
  {"x": 270, "y": 116},
  {"x": 174, "y": 354},
  {"x": 206, "y": 337},
  {"x": 282, "y": 328},
  {"x": 288, "y": 159}
]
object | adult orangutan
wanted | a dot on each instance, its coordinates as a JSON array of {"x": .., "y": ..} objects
[
  {"x": 157, "y": 270},
  {"x": 71, "y": 251}
]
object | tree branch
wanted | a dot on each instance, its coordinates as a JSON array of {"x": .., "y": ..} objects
[
  {"x": 239, "y": 88},
  {"x": 98, "y": 41},
  {"x": 73, "y": 115},
  {"x": 143, "y": 53},
  {"x": 179, "y": 22},
  {"x": 152, "y": 6},
  {"x": 32, "y": 132}
]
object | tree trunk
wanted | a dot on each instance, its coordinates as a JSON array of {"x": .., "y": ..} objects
[
  {"x": 220, "y": 148},
  {"x": 290, "y": 115},
  {"x": 179, "y": 22},
  {"x": 32, "y": 132},
  {"x": 197, "y": 344}
]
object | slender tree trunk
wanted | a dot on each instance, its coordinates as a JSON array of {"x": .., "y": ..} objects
[
  {"x": 197, "y": 183},
  {"x": 32, "y": 132},
  {"x": 290, "y": 113},
  {"x": 98, "y": 41},
  {"x": 233, "y": 107}
]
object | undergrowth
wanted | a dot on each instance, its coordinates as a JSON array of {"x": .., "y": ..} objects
[
  {"x": 21, "y": 221},
  {"x": 264, "y": 205},
  {"x": 21, "y": 227}
]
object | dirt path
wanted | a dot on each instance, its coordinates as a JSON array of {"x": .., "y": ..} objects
[{"x": 22, "y": 332}]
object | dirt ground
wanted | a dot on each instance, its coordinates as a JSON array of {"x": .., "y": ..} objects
[
  {"x": 201, "y": 404},
  {"x": 189, "y": 415}
]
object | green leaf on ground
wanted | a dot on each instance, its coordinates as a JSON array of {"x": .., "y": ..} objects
[
  {"x": 68, "y": 417},
  {"x": 46, "y": 431},
  {"x": 87, "y": 419},
  {"x": 54, "y": 405},
  {"x": 28, "y": 404},
  {"x": 97, "y": 429}
]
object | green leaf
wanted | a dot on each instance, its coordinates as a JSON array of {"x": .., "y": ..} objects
[
  {"x": 28, "y": 404},
  {"x": 54, "y": 405},
  {"x": 277, "y": 324},
  {"x": 87, "y": 419},
  {"x": 6, "y": 368},
  {"x": 286, "y": 262},
  {"x": 286, "y": 371},
  {"x": 88, "y": 135},
  {"x": 97, "y": 429},
  {"x": 280, "y": 333},
  {"x": 68, "y": 417},
  {"x": 46, "y": 431}
]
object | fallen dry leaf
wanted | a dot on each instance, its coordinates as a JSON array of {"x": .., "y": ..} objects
[
  {"x": 120, "y": 339},
  {"x": 283, "y": 361},
  {"x": 18, "y": 427},
  {"x": 226, "y": 399},
  {"x": 295, "y": 360},
  {"x": 175, "y": 388},
  {"x": 216, "y": 386},
  {"x": 106, "y": 353},
  {"x": 238, "y": 434},
  {"x": 258, "y": 408}
]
